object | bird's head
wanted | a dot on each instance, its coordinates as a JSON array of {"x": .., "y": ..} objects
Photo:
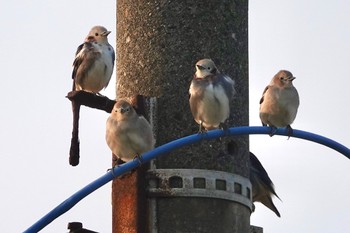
[
  {"x": 98, "y": 34},
  {"x": 284, "y": 78},
  {"x": 123, "y": 109},
  {"x": 205, "y": 67}
]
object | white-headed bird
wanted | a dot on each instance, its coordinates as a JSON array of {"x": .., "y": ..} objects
[
  {"x": 128, "y": 135},
  {"x": 210, "y": 95},
  {"x": 94, "y": 62},
  {"x": 280, "y": 101}
]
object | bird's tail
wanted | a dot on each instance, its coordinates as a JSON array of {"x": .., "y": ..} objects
[{"x": 74, "y": 147}]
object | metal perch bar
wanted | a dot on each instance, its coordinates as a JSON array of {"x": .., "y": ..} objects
[{"x": 166, "y": 148}]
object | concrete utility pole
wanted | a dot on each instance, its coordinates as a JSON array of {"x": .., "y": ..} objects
[{"x": 204, "y": 187}]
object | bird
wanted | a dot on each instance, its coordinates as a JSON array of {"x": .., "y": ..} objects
[
  {"x": 262, "y": 186},
  {"x": 279, "y": 102},
  {"x": 94, "y": 62},
  {"x": 210, "y": 95},
  {"x": 92, "y": 70},
  {"x": 128, "y": 135}
]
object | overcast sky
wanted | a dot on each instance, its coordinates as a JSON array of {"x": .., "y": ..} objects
[{"x": 39, "y": 38}]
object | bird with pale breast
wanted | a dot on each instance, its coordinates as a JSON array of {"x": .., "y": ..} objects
[
  {"x": 94, "y": 62},
  {"x": 128, "y": 135},
  {"x": 92, "y": 70},
  {"x": 210, "y": 95}
]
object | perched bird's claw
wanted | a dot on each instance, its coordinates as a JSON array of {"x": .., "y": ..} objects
[
  {"x": 224, "y": 127},
  {"x": 202, "y": 130},
  {"x": 112, "y": 170},
  {"x": 117, "y": 161},
  {"x": 289, "y": 131},
  {"x": 273, "y": 131},
  {"x": 139, "y": 159},
  {"x": 122, "y": 175}
]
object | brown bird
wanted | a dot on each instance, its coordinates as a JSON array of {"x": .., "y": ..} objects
[
  {"x": 280, "y": 101},
  {"x": 128, "y": 135}
]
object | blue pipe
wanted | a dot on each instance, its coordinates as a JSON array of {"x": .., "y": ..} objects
[{"x": 166, "y": 148}]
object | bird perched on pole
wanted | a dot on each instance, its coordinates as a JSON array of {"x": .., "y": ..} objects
[
  {"x": 262, "y": 186},
  {"x": 128, "y": 135},
  {"x": 92, "y": 70},
  {"x": 94, "y": 61},
  {"x": 210, "y": 95},
  {"x": 280, "y": 101}
]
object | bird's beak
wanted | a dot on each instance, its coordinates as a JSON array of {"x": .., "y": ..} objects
[
  {"x": 122, "y": 110},
  {"x": 200, "y": 67},
  {"x": 106, "y": 33},
  {"x": 291, "y": 78}
]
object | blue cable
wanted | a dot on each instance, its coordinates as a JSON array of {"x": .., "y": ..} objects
[{"x": 166, "y": 148}]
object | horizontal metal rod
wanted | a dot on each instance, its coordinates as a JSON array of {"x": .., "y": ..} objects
[{"x": 166, "y": 148}]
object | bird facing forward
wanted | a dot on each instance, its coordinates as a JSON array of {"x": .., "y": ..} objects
[
  {"x": 210, "y": 95},
  {"x": 128, "y": 135},
  {"x": 262, "y": 186},
  {"x": 94, "y": 62},
  {"x": 280, "y": 101}
]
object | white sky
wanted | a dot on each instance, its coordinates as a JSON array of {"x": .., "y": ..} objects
[{"x": 38, "y": 42}]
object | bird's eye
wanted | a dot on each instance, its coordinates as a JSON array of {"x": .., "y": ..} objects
[
  {"x": 96, "y": 34},
  {"x": 208, "y": 68}
]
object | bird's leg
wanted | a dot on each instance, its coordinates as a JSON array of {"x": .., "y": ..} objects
[
  {"x": 201, "y": 130},
  {"x": 273, "y": 130},
  {"x": 289, "y": 131},
  {"x": 117, "y": 161},
  {"x": 224, "y": 127},
  {"x": 138, "y": 158}
]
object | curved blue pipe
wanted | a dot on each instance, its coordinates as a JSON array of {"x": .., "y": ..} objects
[{"x": 166, "y": 148}]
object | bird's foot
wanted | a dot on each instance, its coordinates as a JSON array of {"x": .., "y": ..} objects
[
  {"x": 139, "y": 159},
  {"x": 289, "y": 131},
  {"x": 224, "y": 127},
  {"x": 116, "y": 162},
  {"x": 273, "y": 131},
  {"x": 112, "y": 170},
  {"x": 202, "y": 130}
]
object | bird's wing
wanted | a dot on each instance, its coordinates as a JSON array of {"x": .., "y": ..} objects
[
  {"x": 262, "y": 98},
  {"x": 113, "y": 55},
  {"x": 140, "y": 137},
  {"x": 85, "y": 58},
  {"x": 77, "y": 60},
  {"x": 228, "y": 85},
  {"x": 258, "y": 169},
  {"x": 261, "y": 184}
]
